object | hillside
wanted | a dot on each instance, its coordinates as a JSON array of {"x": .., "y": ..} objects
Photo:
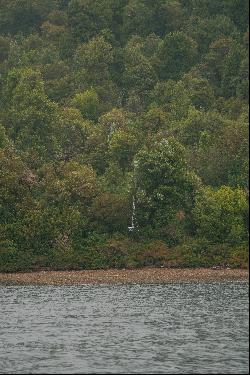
[{"x": 123, "y": 133}]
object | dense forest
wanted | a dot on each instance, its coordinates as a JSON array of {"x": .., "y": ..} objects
[{"x": 123, "y": 133}]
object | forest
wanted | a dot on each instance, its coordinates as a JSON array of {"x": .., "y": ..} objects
[{"x": 123, "y": 134}]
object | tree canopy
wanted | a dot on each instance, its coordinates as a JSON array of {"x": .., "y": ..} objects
[{"x": 120, "y": 114}]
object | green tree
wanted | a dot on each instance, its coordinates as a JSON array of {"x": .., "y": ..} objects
[
  {"x": 79, "y": 182},
  {"x": 200, "y": 92},
  {"x": 198, "y": 125},
  {"x": 122, "y": 148},
  {"x": 93, "y": 61},
  {"x": 71, "y": 132},
  {"x": 165, "y": 184},
  {"x": 221, "y": 66},
  {"x": 207, "y": 30},
  {"x": 88, "y": 104},
  {"x": 88, "y": 17},
  {"x": 139, "y": 74},
  {"x": 137, "y": 18},
  {"x": 237, "y": 10},
  {"x": 142, "y": 17},
  {"x": 4, "y": 140},
  {"x": 242, "y": 89},
  {"x": 177, "y": 53},
  {"x": 23, "y": 15},
  {"x": 4, "y": 48},
  {"x": 232, "y": 65},
  {"x": 30, "y": 114},
  {"x": 110, "y": 213},
  {"x": 220, "y": 215},
  {"x": 227, "y": 152},
  {"x": 58, "y": 80},
  {"x": 108, "y": 102}
]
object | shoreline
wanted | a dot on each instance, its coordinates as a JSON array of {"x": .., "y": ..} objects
[{"x": 149, "y": 275}]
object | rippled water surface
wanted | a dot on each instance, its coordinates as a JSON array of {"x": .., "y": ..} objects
[{"x": 168, "y": 329}]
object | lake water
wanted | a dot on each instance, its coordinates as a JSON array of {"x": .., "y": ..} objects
[{"x": 169, "y": 329}]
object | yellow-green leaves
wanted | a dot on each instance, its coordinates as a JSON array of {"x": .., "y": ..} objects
[{"x": 221, "y": 215}]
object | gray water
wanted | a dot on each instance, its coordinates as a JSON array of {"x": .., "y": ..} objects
[{"x": 183, "y": 328}]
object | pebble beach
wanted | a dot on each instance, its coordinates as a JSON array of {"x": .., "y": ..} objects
[{"x": 125, "y": 276}]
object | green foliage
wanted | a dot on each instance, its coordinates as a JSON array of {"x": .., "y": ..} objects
[
  {"x": 144, "y": 17},
  {"x": 227, "y": 151},
  {"x": 177, "y": 53},
  {"x": 111, "y": 213},
  {"x": 4, "y": 141},
  {"x": 87, "y": 103},
  {"x": 23, "y": 15},
  {"x": 110, "y": 108},
  {"x": 199, "y": 252},
  {"x": 71, "y": 133},
  {"x": 205, "y": 31},
  {"x": 4, "y": 48},
  {"x": 81, "y": 14},
  {"x": 139, "y": 73},
  {"x": 200, "y": 92},
  {"x": 225, "y": 65},
  {"x": 122, "y": 148},
  {"x": 237, "y": 10},
  {"x": 165, "y": 186},
  {"x": 93, "y": 65},
  {"x": 220, "y": 215}
]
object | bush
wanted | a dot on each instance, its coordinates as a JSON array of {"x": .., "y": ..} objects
[{"x": 201, "y": 253}]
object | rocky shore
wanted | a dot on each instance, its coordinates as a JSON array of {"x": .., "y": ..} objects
[{"x": 125, "y": 276}]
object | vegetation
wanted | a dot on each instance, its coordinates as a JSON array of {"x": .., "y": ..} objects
[{"x": 108, "y": 102}]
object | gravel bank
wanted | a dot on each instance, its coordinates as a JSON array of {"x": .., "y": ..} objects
[{"x": 125, "y": 276}]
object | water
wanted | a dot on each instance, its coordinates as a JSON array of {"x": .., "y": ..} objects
[{"x": 169, "y": 329}]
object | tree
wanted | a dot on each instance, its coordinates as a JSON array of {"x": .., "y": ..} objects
[
  {"x": 230, "y": 77},
  {"x": 23, "y": 15},
  {"x": 58, "y": 80},
  {"x": 179, "y": 101},
  {"x": 142, "y": 17},
  {"x": 139, "y": 74},
  {"x": 227, "y": 151},
  {"x": 4, "y": 48},
  {"x": 4, "y": 140},
  {"x": 92, "y": 61},
  {"x": 237, "y": 10},
  {"x": 242, "y": 89},
  {"x": 122, "y": 148},
  {"x": 221, "y": 66},
  {"x": 88, "y": 17},
  {"x": 198, "y": 126},
  {"x": 165, "y": 185},
  {"x": 137, "y": 19},
  {"x": 17, "y": 183},
  {"x": 88, "y": 104},
  {"x": 30, "y": 114},
  {"x": 177, "y": 53},
  {"x": 69, "y": 183},
  {"x": 110, "y": 213},
  {"x": 200, "y": 91},
  {"x": 169, "y": 17},
  {"x": 106, "y": 103},
  {"x": 205, "y": 31},
  {"x": 115, "y": 119},
  {"x": 78, "y": 182},
  {"x": 71, "y": 132},
  {"x": 154, "y": 120},
  {"x": 220, "y": 215}
]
